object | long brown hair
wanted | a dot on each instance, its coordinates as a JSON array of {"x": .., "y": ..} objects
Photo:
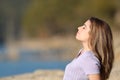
[{"x": 101, "y": 42}]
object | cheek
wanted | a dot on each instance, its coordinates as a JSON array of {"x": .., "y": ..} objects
[{"x": 86, "y": 36}]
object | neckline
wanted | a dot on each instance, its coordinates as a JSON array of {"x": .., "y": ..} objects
[{"x": 81, "y": 52}]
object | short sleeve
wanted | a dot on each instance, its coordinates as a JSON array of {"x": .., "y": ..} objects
[{"x": 90, "y": 65}]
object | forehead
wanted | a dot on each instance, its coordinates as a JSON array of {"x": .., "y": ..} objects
[{"x": 87, "y": 23}]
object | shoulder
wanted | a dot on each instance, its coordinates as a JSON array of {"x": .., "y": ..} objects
[
  {"x": 90, "y": 63},
  {"x": 88, "y": 57}
]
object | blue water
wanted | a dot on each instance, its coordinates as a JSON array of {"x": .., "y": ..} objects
[
  {"x": 13, "y": 68},
  {"x": 29, "y": 61}
]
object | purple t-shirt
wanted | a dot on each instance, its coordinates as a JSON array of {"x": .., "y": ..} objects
[{"x": 85, "y": 64}]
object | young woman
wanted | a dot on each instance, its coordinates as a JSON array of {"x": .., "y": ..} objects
[{"x": 95, "y": 60}]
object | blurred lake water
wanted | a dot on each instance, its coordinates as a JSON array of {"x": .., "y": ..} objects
[
  {"x": 10, "y": 68},
  {"x": 29, "y": 61}
]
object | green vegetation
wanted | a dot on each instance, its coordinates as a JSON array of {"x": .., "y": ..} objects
[
  {"x": 53, "y": 17},
  {"x": 64, "y": 16}
]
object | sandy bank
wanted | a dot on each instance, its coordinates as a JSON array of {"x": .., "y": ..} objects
[
  {"x": 54, "y": 75},
  {"x": 38, "y": 75}
]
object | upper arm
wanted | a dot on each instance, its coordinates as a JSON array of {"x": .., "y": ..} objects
[
  {"x": 91, "y": 66},
  {"x": 94, "y": 77}
]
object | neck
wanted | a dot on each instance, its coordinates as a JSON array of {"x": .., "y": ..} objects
[{"x": 85, "y": 46}]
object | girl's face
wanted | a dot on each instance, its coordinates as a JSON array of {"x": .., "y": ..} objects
[{"x": 83, "y": 32}]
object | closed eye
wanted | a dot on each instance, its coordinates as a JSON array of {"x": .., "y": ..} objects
[{"x": 84, "y": 26}]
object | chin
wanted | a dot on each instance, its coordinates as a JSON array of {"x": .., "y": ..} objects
[{"x": 78, "y": 38}]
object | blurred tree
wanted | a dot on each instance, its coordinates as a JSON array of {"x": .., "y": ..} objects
[
  {"x": 2, "y": 30},
  {"x": 51, "y": 17},
  {"x": 11, "y": 17},
  {"x": 44, "y": 17},
  {"x": 117, "y": 14}
]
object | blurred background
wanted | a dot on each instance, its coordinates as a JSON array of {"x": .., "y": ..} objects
[{"x": 40, "y": 34}]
